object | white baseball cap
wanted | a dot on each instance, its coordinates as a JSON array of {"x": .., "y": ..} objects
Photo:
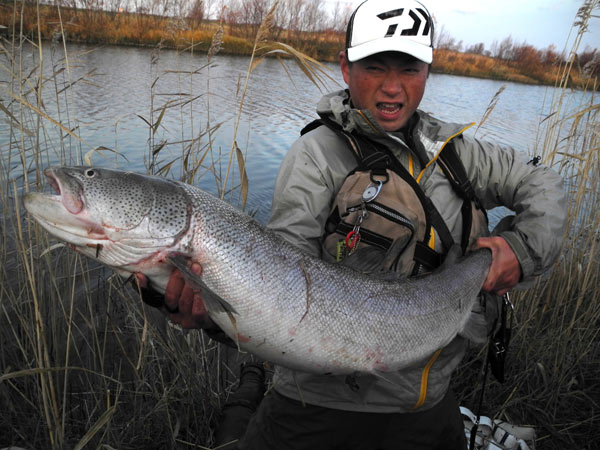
[{"x": 390, "y": 25}]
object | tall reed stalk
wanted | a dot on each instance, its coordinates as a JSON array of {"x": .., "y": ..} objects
[
  {"x": 554, "y": 359},
  {"x": 83, "y": 362}
]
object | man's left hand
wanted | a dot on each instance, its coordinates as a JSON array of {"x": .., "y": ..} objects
[{"x": 505, "y": 271}]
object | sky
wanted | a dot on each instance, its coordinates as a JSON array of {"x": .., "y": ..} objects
[{"x": 538, "y": 22}]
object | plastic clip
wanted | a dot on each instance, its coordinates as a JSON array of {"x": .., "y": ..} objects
[{"x": 352, "y": 239}]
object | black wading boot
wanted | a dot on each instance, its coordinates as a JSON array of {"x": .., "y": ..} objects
[{"x": 240, "y": 406}]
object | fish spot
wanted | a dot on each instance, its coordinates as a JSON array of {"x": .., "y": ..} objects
[
  {"x": 241, "y": 338},
  {"x": 381, "y": 367}
]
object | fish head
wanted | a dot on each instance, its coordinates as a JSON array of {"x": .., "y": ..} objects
[{"x": 123, "y": 219}]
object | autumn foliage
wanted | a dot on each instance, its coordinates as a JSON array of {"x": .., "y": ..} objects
[{"x": 303, "y": 24}]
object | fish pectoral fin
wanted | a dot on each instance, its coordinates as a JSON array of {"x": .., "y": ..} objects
[
  {"x": 216, "y": 304},
  {"x": 213, "y": 302}
]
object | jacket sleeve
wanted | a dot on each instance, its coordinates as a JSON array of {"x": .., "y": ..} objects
[
  {"x": 310, "y": 175},
  {"x": 501, "y": 176}
]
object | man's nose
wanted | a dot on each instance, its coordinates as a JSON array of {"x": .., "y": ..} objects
[{"x": 392, "y": 84}]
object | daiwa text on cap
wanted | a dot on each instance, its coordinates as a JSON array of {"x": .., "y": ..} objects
[{"x": 390, "y": 25}]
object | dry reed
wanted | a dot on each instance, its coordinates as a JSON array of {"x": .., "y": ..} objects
[
  {"x": 554, "y": 359},
  {"x": 85, "y": 364}
]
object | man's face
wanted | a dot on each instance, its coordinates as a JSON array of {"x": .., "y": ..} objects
[{"x": 390, "y": 85}]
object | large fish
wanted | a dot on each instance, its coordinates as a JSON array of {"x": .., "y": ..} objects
[{"x": 275, "y": 300}]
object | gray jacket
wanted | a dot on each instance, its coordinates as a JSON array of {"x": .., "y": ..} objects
[{"x": 314, "y": 170}]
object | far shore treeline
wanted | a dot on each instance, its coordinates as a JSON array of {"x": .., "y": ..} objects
[{"x": 304, "y": 24}]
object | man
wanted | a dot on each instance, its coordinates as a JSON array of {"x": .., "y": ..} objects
[{"x": 385, "y": 66}]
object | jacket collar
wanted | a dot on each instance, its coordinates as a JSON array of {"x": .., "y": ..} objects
[{"x": 337, "y": 107}]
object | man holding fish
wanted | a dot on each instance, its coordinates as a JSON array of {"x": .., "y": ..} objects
[{"x": 331, "y": 190}]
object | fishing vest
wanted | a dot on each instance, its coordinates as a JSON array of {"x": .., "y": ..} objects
[{"x": 382, "y": 221}]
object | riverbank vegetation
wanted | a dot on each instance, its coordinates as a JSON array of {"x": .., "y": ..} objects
[
  {"x": 85, "y": 364},
  {"x": 305, "y": 25}
]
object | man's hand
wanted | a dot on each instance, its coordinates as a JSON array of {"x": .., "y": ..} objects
[
  {"x": 505, "y": 271},
  {"x": 183, "y": 304}
]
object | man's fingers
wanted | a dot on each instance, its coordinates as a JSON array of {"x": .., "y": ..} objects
[
  {"x": 186, "y": 300},
  {"x": 196, "y": 268},
  {"x": 182, "y": 302},
  {"x": 173, "y": 290},
  {"x": 505, "y": 271},
  {"x": 141, "y": 280},
  {"x": 200, "y": 313},
  {"x": 192, "y": 313}
]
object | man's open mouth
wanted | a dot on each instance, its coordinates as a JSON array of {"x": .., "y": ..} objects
[{"x": 389, "y": 108}]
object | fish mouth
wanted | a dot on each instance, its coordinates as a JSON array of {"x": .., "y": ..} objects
[
  {"x": 63, "y": 214},
  {"x": 52, "y": 181},
  {"x": 67, "y": 189}
]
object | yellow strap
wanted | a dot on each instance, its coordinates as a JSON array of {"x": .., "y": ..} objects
[
  {"x": 425, "y": 379},
  {"x": 425, "y": 374},
  {"x": 443, "y": 146},
  {"x": 366, "y": 119},
  {"x": 432, "y": 239}
]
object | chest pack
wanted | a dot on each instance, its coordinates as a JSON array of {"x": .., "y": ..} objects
[{"x": 381, "y": 220}]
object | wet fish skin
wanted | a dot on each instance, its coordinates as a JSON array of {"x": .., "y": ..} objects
[{"x": 275, "y": 300}]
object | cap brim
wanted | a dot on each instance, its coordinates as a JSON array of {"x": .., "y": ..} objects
[{"x": 403, "y": 45}]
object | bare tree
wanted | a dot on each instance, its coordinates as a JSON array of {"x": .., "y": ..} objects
[
  {"x": 444, "y": 41},
  {"x": 288, "y": 15},
  {"x": 476, "y": 49},
  {"x": 503, "y": 50},
  {"x": 197, "y": 12},
  {"x": 527, "y": 57},
  {"x": 313, "y": 17},
  {"x": 340, "y": 17},
  {"x": 550, "y": 55}
]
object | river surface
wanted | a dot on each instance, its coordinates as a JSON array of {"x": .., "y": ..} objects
[{"x": 112, "y": 91}]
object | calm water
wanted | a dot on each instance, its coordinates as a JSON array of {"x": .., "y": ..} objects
[{"x": 114, "y": 86}]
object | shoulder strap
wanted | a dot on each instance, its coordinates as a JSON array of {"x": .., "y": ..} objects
[
  {"x": 311, "y": 126},
  {"x": 370, "y": 157},
  {"x": 367, "y": 156},
  {"x": 454, "y": 170}
]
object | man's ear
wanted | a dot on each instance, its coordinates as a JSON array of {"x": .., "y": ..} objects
[{"x": 344, "y": 65}]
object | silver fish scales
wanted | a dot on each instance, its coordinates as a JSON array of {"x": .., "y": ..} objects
[{"x": 275, "y": 300}]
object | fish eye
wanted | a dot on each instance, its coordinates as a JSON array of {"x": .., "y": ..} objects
[{"x": 90, "y": 173}]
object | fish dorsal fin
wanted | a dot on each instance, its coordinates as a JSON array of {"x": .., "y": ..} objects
[
  {"x": 453, "y": 255},
  {"x": 214, "y": 303}
]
